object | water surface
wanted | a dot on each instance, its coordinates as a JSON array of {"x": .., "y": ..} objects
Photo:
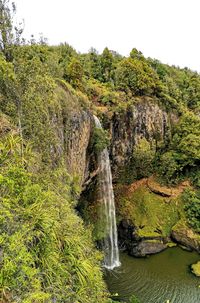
[{"x": 156, "y": 279}]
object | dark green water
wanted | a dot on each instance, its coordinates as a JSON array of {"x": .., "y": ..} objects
[{"x": 156, "y": 279}]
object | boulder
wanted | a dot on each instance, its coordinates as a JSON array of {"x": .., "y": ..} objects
[
  {"x": 185, "y": 236},
  {"x": 196, "y": 269},
  {"x": 147, "y": 247},
  {"x": 138, "y": 246}
]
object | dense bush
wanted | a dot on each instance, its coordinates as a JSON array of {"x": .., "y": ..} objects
[
  {"x": 136, "y": 76},
  {"x": 99, "y": 140},
  {"x": 192, "y": 208},
  {"x": 143, "y": 157},
  {"x": 183, "y": 157},
  {"x": 47, "y": 253}
]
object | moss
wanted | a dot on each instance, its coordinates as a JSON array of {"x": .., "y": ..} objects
[
  {"x": 149, "y": 212},
  {"x": 196, "y": 269},
  {"x": 171, "y": 244},
  {"x": 99, "y": 140},
  {"x": 181, "y": 225}
]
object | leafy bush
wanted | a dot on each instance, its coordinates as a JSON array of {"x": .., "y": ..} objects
[
  {"x": 192, "y": 208},
  {"x": 48, "y": 255},
  {"x": 169, "y": 168},
  {"x": 99, "y": 140},
  {"x": 136, "y": 76},
  {"x": 183, "y": 157},
  {"x": 143, "y": 157}
]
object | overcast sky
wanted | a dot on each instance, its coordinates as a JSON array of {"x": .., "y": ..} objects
[{"x": 168, "y": 30}]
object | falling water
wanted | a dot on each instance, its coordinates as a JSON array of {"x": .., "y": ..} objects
[{"x": 110, "y": 243}]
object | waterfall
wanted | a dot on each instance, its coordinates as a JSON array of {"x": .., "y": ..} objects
[{"x": 106, "y": 195}]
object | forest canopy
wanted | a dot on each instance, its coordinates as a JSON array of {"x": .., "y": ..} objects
[{"x": 38, "y": 195}]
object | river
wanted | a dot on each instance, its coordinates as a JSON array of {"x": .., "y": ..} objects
[{"x": 156, "y": 279}]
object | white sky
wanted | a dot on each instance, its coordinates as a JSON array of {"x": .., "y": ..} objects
[{"x": 168, "y": 30}]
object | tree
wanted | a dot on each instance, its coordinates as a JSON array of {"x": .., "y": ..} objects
[
  {"x": 106, "y": 64},
  {"x": 192, "y": 208},
  {"x": 11, "y": 100},
  {"x": 95, "y": 64},
  {"x": 143, "y": 157},
  {"x": 193, "y": 91},
  {"x": 136, "y": 76},
  {"x": 74, "y": 73},
  {"x": 186, "y": 140},
  {"x": 9, "y": 35},
  {"x": 184, "y": 154},
  {"x": 136, "y": 54},
  {"x": 6, "y": 33}
]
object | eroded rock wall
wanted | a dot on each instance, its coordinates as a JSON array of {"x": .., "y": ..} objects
[{"x": 146, "y": 119}]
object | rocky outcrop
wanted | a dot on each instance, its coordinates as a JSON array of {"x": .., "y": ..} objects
[
  {"x": 166, "y": 191},
  {"x": 5, "y": 125},
  {"x": 185, "y": 236},
  {"x": 138, "y": 246},
  {"x": 72, "y": 125},
  {"x": 146, "y": 120},
  {"x": 76, "y": 141},
  {"x": 147, "y": 247}
]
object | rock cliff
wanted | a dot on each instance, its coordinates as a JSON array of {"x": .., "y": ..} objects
[{"x": 145, "y": 119}]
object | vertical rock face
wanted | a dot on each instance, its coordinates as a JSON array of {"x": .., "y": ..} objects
[
  {"x": 71, "y": 126},
  {"x": 151, "y": 122},
  {"x": 143, "y": 120},
  {"x": 76, "y": 140}
]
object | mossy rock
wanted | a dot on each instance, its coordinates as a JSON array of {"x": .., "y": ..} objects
[
  {"x": 196, "y": 269},
  {"x": 185, "y": 236},
  {"x": 149, "y": 212},
  {"x": 171, "y": 244}
]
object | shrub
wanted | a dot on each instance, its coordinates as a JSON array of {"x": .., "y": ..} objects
[
  {"x": 48, "y": 255},
  {"x": 169, "y": 168},
  {"x": 143, "y": 158},
  {"x": 99, "y": 140},
  {"x": 136, "y": 76},
  {"x": 192, "y": 208}
]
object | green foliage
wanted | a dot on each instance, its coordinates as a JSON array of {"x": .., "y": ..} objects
[
  {"x": 195, "y": 177},
  {"x": 134, "y": 299},
  {"x": 47, "y": 253},
  {"x": 106, "y": 61},
  {"x": 6, "y": 28},
  {"x": 143, "y": 157},
  {"x": 169, "y": 167},
  {"x": 187, "y": 139},
  {"x": 7, "y": 77},
  {"x": 192, "y": 208},
  {"x": 136, "y": 76},
  {"x": 94, "y": 64},
  {"x": 136, "y": 54},
  {"x": 184, "y": 156},
  {"x": 103, "y": 94},
  {"x": 74, "y": 74},
  {"x": 196, "y": 269},
  {"x": 99, "y": 140},
  {"x": 149, "y": 212}
]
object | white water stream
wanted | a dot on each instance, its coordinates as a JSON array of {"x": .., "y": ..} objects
[{"x": 110, "y": 243}]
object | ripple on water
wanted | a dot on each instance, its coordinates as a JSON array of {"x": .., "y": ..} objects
[{"x": 156, "y": 279}]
